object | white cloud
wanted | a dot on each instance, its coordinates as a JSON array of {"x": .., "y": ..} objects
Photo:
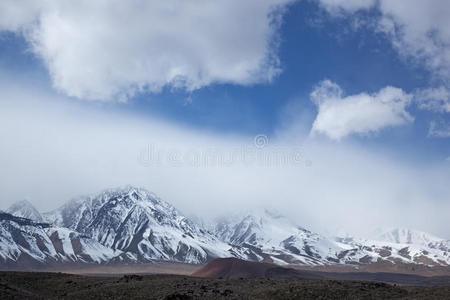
[
  {"x": 343, "y": 6},
  {"x": 439, "y": 128},
  {"x": 340, "y": 116},
  {"x": 419, "y": 30},
  {"x": 112, "y": 49},
  {"x": 434, "y": 99},
  {"x": 60, "y": 149},
  {"x": 14, "y": 15}
]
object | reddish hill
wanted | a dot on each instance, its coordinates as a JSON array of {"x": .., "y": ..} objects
[{"x": 235, "y": 268}]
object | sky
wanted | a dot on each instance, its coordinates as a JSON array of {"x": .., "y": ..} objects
[{"x": 335, "y": 113}]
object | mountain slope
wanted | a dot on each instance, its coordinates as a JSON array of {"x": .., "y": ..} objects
[
  {"x": 272, "y": 238},
  {"x": 27, "y": 243},
  {"x": 406, "y": 246},
  {"x": 132, "y": 225},
  {"x": 406, "y": 236},
  {"x": 136, "y": 221}
]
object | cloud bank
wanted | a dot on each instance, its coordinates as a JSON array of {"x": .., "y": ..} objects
[
  {"x": 57, "y": 149},
  {"x": 339, "y": 116},
  {"x": 106, "y": 50}
]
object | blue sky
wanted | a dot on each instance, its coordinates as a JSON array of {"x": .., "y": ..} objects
[
  {"x": 250, "y": 71},
  {"x": 313, "y": 47}
]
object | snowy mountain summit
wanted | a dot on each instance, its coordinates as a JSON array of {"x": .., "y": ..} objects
[
  {"x": 135, "y": 221},
  {"x": 132, "y": 225},
  {"x": 406, "y": 236},
  {"x": 25, "y": 242},
  {"x": 274, "y": 238},
  {"x": 25, "y": 209}
]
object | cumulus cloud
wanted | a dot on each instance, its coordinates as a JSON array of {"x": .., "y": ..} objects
[
  {"x": 339, "y": 116},
  {"x": 113, "y": 49},
  {"x": 420, "y": 33},
  {"x": 419, "y": 30}
]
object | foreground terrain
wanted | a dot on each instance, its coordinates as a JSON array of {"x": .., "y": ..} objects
[{"x": 21, "y": 285}]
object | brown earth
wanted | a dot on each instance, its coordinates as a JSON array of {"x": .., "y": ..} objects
[{"x": 236, "y": 268}]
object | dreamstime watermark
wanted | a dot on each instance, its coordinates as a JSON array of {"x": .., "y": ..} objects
[
  {"x": 260, "y": 141},
  {"x": 259, "y": 153}
]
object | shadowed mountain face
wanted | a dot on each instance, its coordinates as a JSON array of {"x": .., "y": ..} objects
[
  {"x": 133, "y": 225},
  {"x": 237, "y": 268}
]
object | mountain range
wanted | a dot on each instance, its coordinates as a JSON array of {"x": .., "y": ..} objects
[{"x": 132, "y": 225}]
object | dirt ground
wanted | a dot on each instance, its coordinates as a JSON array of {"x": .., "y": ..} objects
[{"x": 22, "y": 285}]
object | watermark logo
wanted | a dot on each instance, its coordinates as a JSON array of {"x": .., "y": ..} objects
[
  {"x": 260, "y": 141},
  {"x": 259, "y": 154}
]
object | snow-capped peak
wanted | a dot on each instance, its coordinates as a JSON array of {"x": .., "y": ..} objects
[
  {"x": 25, "y": 209},
  {"x": 132, "y": 224},
  {"x": 135, "y": 220},
  {"x": 405, "y": 236},
  {"x": 258, "y": 228}
]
